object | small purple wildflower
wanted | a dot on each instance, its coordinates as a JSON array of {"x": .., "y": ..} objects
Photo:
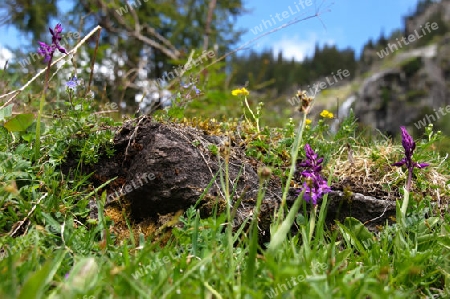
[
  {"x": 72, "y": 83},
  {"x": 48, "y": 50},
  {"x": 192, "y": 87},
  {"x": 409, "y": 145},
  {"x": 197, "y": 91},
  {"x": 314, "y": 185}
]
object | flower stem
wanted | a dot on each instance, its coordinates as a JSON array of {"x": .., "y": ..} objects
[
  {"x": 407, "y": 188},
  {"x": 251, "y": 112},
  {"x": 405, "y": 203},
  {"x": 312, "y": 222},
  {"x": 294, "y": 156},
  {"x": 37, "y": 144},
  {"x": 408, "y": 182}
]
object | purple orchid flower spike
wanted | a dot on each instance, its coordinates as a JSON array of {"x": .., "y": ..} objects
[
  {"x": 409, "y": 145},
  {"x": 48, "y": 50},
  {"x": 56, "y": 33},
  {"x": 311, "y": 160},
  {"x": 314, "y": 185},
  {"x": 56, "y": 38}
]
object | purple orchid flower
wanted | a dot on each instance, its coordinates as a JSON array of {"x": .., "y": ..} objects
[
  {"x": 56, "y": 38},
  {"x": 311, "y": 160},
  {"x": 56, "y": 33},
  {"x": 314, "y": 185},
  {"x": 409, "y": 145},
  {"x": 48, "y": 50}
]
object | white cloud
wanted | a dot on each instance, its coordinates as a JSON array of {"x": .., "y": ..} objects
[
  {"x": 298, "y": 48},
  {"x": 5, "y": 55}
]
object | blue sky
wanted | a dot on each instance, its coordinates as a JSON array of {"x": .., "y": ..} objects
[{"x": 344, "y": 23}]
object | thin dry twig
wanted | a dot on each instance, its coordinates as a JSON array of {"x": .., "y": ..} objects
[
  {"x": 136, "y": 32},
  {"x": 93, "y": 62},
  {"x": 376, "y": 218},
  {"x": 211, "y": 7},
  {"x": 132, "y": 137},
  {"x": 21, "y": 223}
]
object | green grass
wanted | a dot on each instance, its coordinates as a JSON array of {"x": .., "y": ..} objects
[{"x": 49, "y": 248}]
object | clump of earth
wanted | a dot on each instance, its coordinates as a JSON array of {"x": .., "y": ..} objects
[{"x": 161, "y": 169}]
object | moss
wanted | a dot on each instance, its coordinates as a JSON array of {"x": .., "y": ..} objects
[
  {"x": 417, "y": 94},
  {"x": 411, "y": 66},
  {"x": 385, "y": 96}
]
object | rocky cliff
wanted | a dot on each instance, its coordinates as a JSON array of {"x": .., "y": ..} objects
[{"x": 409, "y": 84}]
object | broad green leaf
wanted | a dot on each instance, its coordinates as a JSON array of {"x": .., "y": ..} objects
[
  {"x": 28, "y": 137},
  {"x": 356, "y": 234},
  {"x": 5, "y": 112},
  {"x": 360, "y": 231},
  {"x": 19, "y": 123}
]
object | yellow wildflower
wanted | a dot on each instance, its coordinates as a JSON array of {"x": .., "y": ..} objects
[
  {"x": 308, "y": 121},
  {"x": 241, "y": 91},
  {"x": 326, "y": 114}
]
